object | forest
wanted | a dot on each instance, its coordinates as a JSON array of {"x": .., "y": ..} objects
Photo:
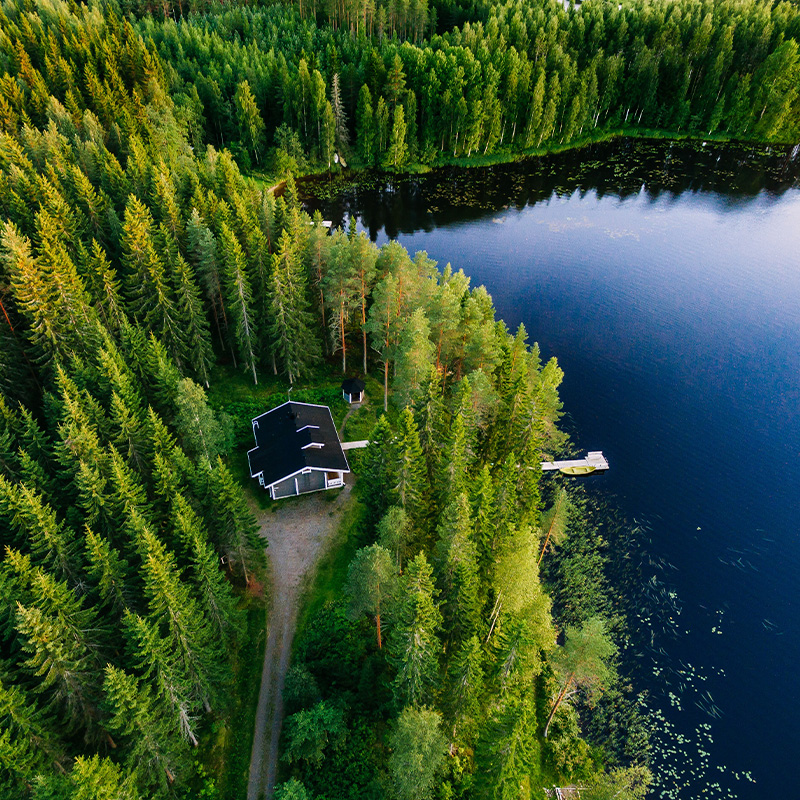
[
  {"x": 383, "y": 85},
  {"x": 472, "y": 651}
]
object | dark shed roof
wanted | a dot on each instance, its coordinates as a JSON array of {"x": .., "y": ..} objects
[
  {"x": 353, "y": 385},
  {"x": 293, "y": 437}
]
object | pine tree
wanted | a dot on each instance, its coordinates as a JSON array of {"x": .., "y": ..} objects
[
  {"x": 363, "y": 256},
  {"x": 383, "y": 324},
  {"x": 371, "y": 583},
  {"x": 341, "y": 287}
]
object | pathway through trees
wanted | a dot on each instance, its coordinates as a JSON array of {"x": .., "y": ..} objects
[{"x": 297, "y": 533}]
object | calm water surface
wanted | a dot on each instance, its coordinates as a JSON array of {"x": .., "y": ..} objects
[{"x": 666, "y": 280}]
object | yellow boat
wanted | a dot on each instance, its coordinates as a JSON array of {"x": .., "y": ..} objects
[{"x": 585, "y": 469}]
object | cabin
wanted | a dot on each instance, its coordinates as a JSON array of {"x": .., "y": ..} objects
[
  {"x": 353, "y": 390},
  {"x": 297, "y": 450}
]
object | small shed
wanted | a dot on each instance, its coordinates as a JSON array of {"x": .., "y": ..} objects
[
  {"x": 353, "y": 390},
  {"x": 297, "y": 450}
]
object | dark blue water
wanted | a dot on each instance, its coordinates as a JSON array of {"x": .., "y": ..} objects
[{"x": 670, "y": 295}]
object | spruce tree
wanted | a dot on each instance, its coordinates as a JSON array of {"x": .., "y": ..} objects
[
  {"x": 413, "y": 644},
  {"x": 183, "y": 623},
  {"x": 292, "y": 331},
  {"x": 378, "y": 476},
  {"x": 464, "y": 687},
  {"x": 239, "y": 298},
  {"x": 394, "y": 534},
  {"x": 154, "y": 752},
  {"x": 161, "y": 664},
  {"x": 198, "y": 350},
  {"x": 457, "y": 570},
  {"x": 232, "y": 522},
  {"x": 149, "y": 290},
  {"x": 414, "y": 357},
  {"x": 58, "y": 651},
  {"x": 213, "y": 589}
]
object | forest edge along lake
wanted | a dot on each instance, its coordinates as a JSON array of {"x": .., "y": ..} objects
[{"x": 664, "y": 276}]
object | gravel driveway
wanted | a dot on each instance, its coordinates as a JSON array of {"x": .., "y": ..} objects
[{"x": 297, "y": 533}]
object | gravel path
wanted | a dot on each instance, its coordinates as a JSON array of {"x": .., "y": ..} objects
[{"x": 297, "y": 534}]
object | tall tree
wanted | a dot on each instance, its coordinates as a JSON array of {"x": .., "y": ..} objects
[
  {"x": 418, "y": 755},
  {"x": 583, "y": 661},
  {"x": 292, "y": 323},
  {"x": 413, "y": 644},
  {"x": 248, "y": 117},
  {"x": 370, "y": 583},
  {"x": 239, "y": 297}
]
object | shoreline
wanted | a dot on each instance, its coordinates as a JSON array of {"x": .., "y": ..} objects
[{"x": 517, "y": 156}]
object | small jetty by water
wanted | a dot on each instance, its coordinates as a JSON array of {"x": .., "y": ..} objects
[{"x": 595, "y": 461}]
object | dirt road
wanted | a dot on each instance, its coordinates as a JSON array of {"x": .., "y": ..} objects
[{"x": 297, "y": 534}]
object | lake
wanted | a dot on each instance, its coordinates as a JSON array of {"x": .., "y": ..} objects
[{"x": 665, "y": 277}]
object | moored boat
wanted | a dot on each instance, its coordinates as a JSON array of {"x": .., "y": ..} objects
[{"x": 583, "y": 469}]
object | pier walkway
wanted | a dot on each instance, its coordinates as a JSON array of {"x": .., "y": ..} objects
[{"x": 594, "y": 459}]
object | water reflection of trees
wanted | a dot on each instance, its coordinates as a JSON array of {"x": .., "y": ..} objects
[{"x": 622, "y": 168}]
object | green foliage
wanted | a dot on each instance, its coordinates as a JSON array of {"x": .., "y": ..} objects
[
  {"x": 624, "y": 784},
  {"x": 371, "y": 584},
  {"x": 418, "y": 753},
  {"x": 291, "y": 790},
  {"x": 310, "y": 731},
  {"x": 414, "y": 645}
]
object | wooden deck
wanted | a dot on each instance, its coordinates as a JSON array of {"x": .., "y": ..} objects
[
  {"x": 355, "y": 445},
  {"x": 594, "y": 459}
]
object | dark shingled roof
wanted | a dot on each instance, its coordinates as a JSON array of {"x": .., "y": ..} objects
[
  {"x": 353, "y": 385},
  {"x": 283, "y": 436}
]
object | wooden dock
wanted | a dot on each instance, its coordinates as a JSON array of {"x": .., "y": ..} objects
[{"x": 594, "y": 459}]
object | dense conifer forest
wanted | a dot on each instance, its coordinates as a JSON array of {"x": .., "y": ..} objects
[{"x": 138, "y": 265}]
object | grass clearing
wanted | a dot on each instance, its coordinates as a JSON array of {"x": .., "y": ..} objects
[{"x": 330, "y": 574}]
